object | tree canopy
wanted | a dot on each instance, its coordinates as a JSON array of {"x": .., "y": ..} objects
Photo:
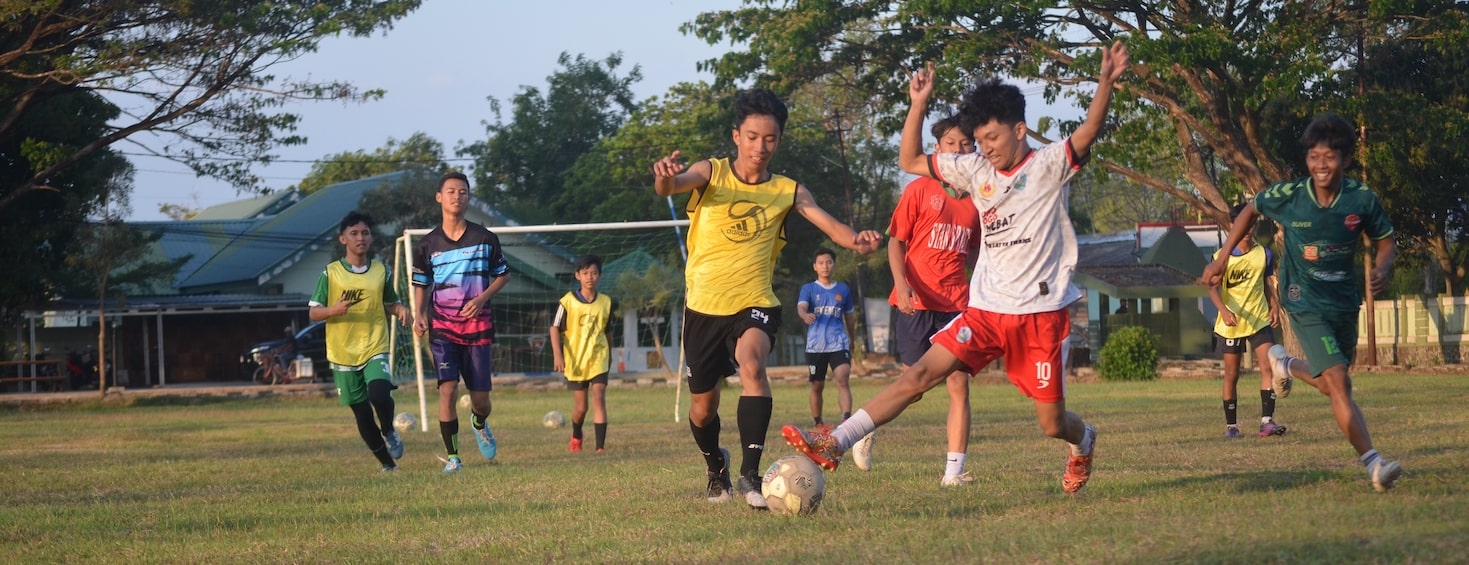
[
  {"x": 522, "y": 165},
  {"x": 195, "y": 73}
]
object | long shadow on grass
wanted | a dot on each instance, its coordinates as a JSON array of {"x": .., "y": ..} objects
[{"x": 1251, "y": 481}]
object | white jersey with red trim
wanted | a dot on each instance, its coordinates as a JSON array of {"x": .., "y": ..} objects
[{"x": 1028, "y": 251}]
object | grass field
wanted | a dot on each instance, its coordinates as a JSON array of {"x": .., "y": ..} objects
[{"x": 289, "y": 481}]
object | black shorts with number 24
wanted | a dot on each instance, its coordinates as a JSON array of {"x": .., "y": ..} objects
[{"x": 709, "y": 342}]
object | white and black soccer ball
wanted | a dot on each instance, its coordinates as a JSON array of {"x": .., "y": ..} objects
[
  {"x": 465, "y": 403},
  {"x": 554, "y": 419},
  {"x": 793, "y": 486},
  {"x": 404, "y": 421}
]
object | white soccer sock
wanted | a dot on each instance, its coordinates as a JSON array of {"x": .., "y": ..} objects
[
  {"x": 1369, "y": 458},
  {"x": 859, "y": 425},
  {"x": 1085, "y": 447},
  {"x": 953, "y": 464}
]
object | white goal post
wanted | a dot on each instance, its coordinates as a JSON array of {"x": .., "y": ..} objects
[{"x": 404, "y": 249}]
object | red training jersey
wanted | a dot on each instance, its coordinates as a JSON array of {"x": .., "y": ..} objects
[{"x": 939, "y": 230}]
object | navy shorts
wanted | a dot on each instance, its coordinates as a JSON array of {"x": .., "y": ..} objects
[
  {"x": 1239, "y": 345},
  {"x": 816, "y": 363},
  {"x": 709, "y": 342},
  {"x": 473, "y": 363},
  {"x": 914, "y": 331},
  {"x": 586, "y": 384}
]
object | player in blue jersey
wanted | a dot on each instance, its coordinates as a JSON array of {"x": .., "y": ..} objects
[{"x": 826, "y": 306}]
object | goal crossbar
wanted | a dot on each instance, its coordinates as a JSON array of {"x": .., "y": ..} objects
[{"x": 402, "y": 249}]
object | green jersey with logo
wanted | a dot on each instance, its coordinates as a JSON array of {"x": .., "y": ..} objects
[{"x": 1321, "y": 241}]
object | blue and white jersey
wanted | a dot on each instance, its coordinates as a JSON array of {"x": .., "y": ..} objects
[{"x": 831, "y": 305}]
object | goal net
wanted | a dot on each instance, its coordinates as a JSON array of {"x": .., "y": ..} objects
[{"x": 642, "y": 272}]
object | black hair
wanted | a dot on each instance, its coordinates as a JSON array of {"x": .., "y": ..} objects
[
  {"x": 1236, "y": 210},
  {"x": 823, "y": 251},
  {"x": 451, "y": 175},
  {"x": 589, "y": 260},
  {"x": 1333, "y": 130},
  {"x": 943, "y": 126},
  {"x": 991, "y": 100},
  {"x": 759, "y": 102},
  {"x": 353, "y": 218}
]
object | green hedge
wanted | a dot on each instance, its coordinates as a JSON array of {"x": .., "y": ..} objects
[{"x": 1131, "y": 354}]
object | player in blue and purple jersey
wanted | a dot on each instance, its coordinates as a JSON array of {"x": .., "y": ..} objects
[
  {"x": 458, "y": 267},
  {"x": 826, "y": 306}
]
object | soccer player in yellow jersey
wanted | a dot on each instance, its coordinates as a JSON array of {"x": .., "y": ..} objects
[
  {"x": 355, "y": 296},
  {"x": 737, "y": 228},
  {"x": 1247, "y": 311},
  {"x": 580, "y": 349}
]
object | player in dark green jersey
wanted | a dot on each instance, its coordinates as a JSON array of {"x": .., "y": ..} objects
[{"x": 1323, "y": 217}]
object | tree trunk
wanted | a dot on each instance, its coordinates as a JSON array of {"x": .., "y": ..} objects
[{"x": 102, "y": 338}]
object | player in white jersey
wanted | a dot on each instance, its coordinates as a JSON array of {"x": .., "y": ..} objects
[{"x": 1022, "y": 275}]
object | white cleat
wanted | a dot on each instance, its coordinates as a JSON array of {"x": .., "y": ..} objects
[
  {"x": 1385, "y": 474},
  {"x": 957, "y": 480},
  {"x": 862, "y": 452},
  {"x": 1280, "y": 366}
]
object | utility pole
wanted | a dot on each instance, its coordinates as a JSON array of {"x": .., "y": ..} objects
[{"x": 1371, "y": 298}]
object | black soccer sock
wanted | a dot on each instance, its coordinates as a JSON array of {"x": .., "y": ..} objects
[
  {"x": 450, "y": 431},
  {"x": 371, "y": 434},
  {"x": 754, "y": 421},
  {"x": 576, "y": 430},
  {"x": 846, "y": 415},
  {"x": 1267, "y": 404},
  {"x": 816, "y": 420},
  {"x": 1231, "y": 411},
  {"x": 707, "y": 438},
  {"x": 601, "y": 431},
  {"x": 380, "y": 396}
]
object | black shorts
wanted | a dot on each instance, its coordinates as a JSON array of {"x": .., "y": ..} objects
[
  {"x": 709, "y": 342},
  {"x": 1240, "y": 345},
  {"x": 586, "y": 384},
  {"x": 914, "y": 331},
  {"x": 816, "y": 363}
]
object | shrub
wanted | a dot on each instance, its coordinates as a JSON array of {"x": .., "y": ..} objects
[{"x": 1131, "y": 354}]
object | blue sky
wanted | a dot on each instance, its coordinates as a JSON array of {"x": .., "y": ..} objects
[{"x": 438, "y": 65}]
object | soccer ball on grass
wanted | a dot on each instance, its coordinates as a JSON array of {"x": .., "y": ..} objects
[
  {"x": 465, "y": 403},
  {"x": 554, "y": 419},
  {"x": 793, "y": 486},
  {"x": 404, "y": 421}
]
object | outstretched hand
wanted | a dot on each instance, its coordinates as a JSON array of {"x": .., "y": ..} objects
[
  {"x": 1114, "y": 62},
  {"x": 920, "y": 85},
  {"x": 668, "y": 167},
  {"x": 1213, "y": 273},
  {"x": 867, "y": 241}
]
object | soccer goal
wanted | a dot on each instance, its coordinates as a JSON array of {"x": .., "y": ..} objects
[{"x": 642, "y": 271}]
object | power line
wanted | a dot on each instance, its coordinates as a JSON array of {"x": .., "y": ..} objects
[{"x": 306, "y": 161}]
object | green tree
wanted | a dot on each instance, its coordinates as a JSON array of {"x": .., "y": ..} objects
[
  {"x": 1414, "y": 110},
  {"x": 612, "y": 181},
  {"x": 652, "y": 295},
  {"x": 111, "y": 260},
  {"x": 522, "y": 165},
  {"x": 418, "y": 151},
  {"x": 1227, "y": 82},
  {"x": 197, "y": 73},
  {"x": 38, "y": 228}
]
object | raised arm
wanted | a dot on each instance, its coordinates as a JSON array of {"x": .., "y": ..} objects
[
  {"x": 1114, "y": 63},
  {"x": 910, "y": 149},
  {"x": 670, "y": 176},
  {"x": 1245, "y": 222},
  {"x": 863, "y": 242}
]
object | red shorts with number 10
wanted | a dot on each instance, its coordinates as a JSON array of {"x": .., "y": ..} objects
[{"x": 1033, "y": 345}]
